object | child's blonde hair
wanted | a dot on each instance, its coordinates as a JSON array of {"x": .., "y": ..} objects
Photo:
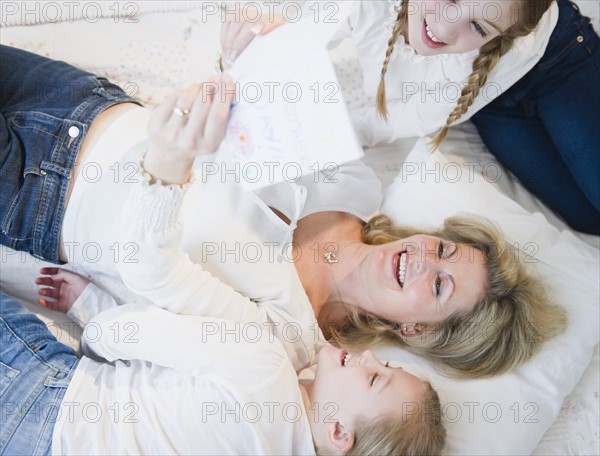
[
  {"x": 531, "y": 11},
  {"x": 414, "y": 434}
]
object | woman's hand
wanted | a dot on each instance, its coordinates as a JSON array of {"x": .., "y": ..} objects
[
  {"x": 187, "y": 124},
  {"x": 62, "y": 288},
  {"x": 236, "y": 35}
]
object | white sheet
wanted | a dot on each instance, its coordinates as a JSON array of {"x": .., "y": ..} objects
[{"x": 165, "y": 51}]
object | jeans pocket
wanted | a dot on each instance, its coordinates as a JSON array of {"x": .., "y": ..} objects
[
  {"x": 7, "y": 375},
  {"x": 36, "y": 135},
  {"x": 19, "y": 222}
]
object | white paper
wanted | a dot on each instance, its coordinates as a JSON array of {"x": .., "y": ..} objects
[{"x": 289, "y": 118}]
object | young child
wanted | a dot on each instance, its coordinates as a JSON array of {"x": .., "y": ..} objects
[
  {"x": 152, "y": 381},
  {"x": 528, "y": 72},
  {"x": 458, "y": 43},
  {"x": 544, "y": 127},
  {"x": 425, "y": 63}
]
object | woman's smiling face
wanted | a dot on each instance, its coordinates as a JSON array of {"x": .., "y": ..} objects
[
  {"x": 420, "y": 279},
  {"x": 457, "y": 26}
]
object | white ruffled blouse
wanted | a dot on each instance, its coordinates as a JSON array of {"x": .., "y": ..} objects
[{"x": 423, "y": 90}]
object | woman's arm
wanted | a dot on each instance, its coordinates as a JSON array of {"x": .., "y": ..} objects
[
  {"x": 187, "y": 124},
  {"x": 161, "y": 272},
  {"x": 164, "y": 274}
]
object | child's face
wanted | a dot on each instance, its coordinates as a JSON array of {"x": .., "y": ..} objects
[
  {"x": 457, "y": 26},
  {"x": 360, "y": 386}
]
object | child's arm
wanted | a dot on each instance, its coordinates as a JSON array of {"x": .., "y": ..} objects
[
  {"x": 237, "y": 35},
  {"x": 67, "y": 292},
  {"x": 238, "y": 32},
  {"x": 60, "y": 288},
  {"x": 147, "y": 333},
  {"x": 191, "y": 344}
]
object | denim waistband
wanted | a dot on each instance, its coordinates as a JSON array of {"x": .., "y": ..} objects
[
  {"x": 46, "y": 233},
  {"x": 569, "y": 17},
  {"x": 47, "y": 109}
]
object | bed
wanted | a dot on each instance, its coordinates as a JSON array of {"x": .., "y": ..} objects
[{"x": 551, "y": 406}]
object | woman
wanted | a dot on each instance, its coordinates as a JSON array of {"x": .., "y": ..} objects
[{"x": 347, "y": 275}]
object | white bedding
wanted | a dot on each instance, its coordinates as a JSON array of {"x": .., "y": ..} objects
[{"x": 169, "y": 49}]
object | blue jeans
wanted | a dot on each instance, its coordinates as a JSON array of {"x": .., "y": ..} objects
[
  {"x": 46, "y": 108},
  {"x": 35, "y": 371},
  {"x": 546, "y": 128}
]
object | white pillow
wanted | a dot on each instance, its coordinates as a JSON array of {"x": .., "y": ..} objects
[{"x": 510, "y": 413}]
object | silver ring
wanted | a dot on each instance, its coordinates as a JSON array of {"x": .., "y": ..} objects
[{"x": 181, "y": 112}]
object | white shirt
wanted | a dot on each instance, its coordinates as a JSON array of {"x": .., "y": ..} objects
[
  {"x": 423, "y": 90},
  {"x": 241, "y": 251},
  {"x": 177, "y": 384}
]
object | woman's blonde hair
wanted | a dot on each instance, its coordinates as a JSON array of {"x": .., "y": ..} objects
[
  {"x": 530, "y": 13},
  {"x": 505, "y": 328},
  {"x": 416, "y": 433}
]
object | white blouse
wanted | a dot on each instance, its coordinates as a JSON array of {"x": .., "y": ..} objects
[
  {"x": 423, "y": 90},
  {"x": 241, "y": 250},
  {"x": 154, "y": 382}
]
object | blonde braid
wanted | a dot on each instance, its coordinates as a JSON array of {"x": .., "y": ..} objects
[
  {"x": 530, "y": 13},
  {"x": 488, "y": 58},
  {"x": 401, "y": 20}
]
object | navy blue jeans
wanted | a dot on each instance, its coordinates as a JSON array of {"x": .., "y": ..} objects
[
  {"x": 35, "y": 372},
  {"x": 46, "y": 109},
  {"x": 546, "y": 128}
]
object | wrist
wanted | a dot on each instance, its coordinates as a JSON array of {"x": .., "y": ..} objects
[{"x": 166, "y": 169}]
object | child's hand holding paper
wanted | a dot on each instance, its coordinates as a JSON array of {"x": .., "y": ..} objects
[{"x": 289, "y": 117}]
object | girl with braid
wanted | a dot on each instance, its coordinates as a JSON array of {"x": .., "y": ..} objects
[
  {"x": 427, "y": 64},
  {"x": 447, "y": 59},
  {"x": 544, "y": 128},
  {"x": 528, "y": 71}
]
